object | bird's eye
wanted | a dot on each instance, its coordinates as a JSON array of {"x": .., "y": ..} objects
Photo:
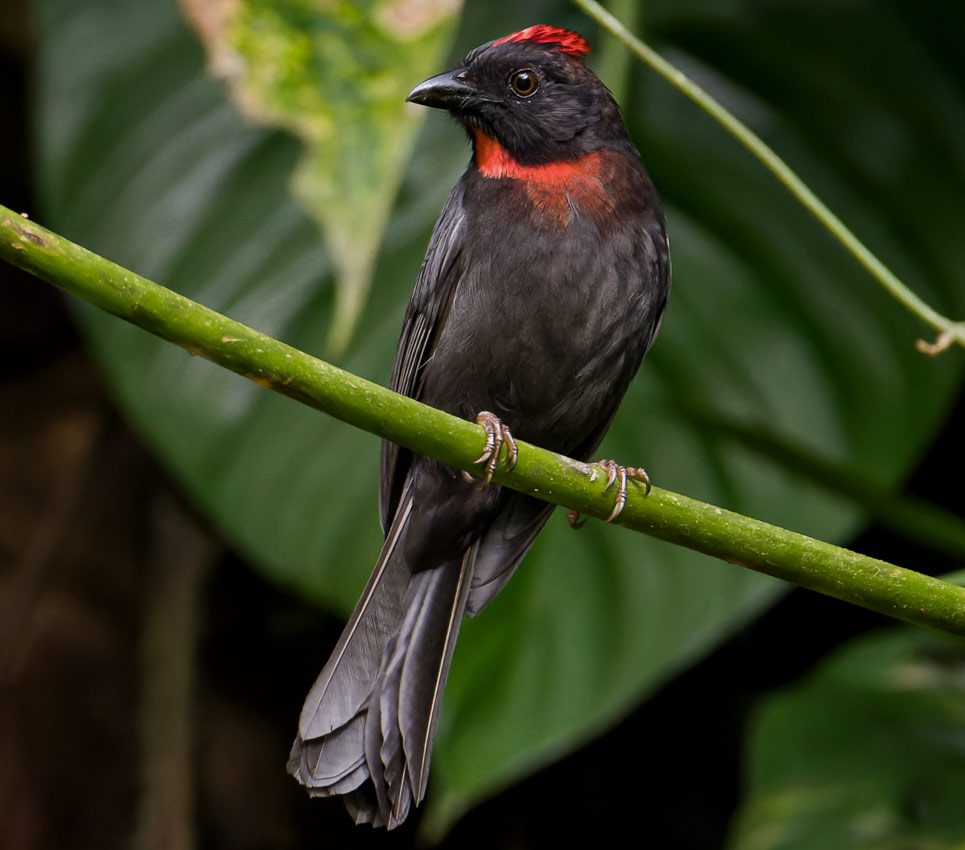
[{"x": 524, "y": 83}]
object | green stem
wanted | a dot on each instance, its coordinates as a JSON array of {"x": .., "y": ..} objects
[
  {"x": 669, "y": 516},
  {"x": 613, "y": 62},
  {"x": 949, "y": 332}
]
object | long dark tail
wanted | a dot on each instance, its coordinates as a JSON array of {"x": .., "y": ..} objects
[{"x": 367, "y": 725}]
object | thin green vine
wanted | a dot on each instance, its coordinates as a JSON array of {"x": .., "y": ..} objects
[{"x": 949, "y": 332}]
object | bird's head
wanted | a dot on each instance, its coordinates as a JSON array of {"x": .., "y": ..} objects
[{"x": 528, "y": 96}]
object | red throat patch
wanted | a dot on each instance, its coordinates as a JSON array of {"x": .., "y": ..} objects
[
  {"x": 570, "y": 43},
  {"x": 554, "y": 187}
]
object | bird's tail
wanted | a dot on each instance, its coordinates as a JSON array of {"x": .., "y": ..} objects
[{"x": 367, "y": 725}]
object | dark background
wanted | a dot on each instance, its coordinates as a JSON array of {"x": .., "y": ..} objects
[{"x": 84, "y": 514}]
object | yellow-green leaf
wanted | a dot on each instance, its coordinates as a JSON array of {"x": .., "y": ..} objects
[{"x": 335, "y": 73}]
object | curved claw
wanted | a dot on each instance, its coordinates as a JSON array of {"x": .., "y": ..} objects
[
  {"x": 497, "y": 435},
  {"x": 640, "y": 474},
  {"x": 621, "y": 500},
  {"x": 615, "y": 474},
  {"x": 612, "y": 469}
]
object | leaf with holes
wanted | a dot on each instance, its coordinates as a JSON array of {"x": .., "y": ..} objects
[{"x": 336, "y": 78}]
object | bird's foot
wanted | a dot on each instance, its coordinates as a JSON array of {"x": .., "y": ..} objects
[
  {"x": 615, "y": 473},
  {"x": 497, "y": 435}
]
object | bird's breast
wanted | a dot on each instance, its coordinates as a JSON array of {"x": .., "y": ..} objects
[{"x": 555, "y": 192}]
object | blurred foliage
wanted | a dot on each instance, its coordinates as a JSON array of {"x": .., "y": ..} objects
[
  {"x": 144, "y": 158},
  {"x": 867, "y": 754},
  {"x": 336, "y": 75}
]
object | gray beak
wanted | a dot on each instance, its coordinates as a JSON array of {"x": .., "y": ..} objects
[{"x": 446, "y": 91}]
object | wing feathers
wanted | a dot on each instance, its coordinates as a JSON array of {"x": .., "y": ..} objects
[
  {"x": 503, "y": 546},
  {"x": 434, "y": 288}
]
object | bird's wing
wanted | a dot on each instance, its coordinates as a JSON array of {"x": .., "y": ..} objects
[
  {"x": 503, "y": 545},
  {"x": 434, "y": 287}
]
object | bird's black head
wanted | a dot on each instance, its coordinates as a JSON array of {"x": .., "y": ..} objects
[{"x": 531, "y": 93}]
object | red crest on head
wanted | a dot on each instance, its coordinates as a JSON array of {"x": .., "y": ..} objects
[{"x": 569, "y": 42}]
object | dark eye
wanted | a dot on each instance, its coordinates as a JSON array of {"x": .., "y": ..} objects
[{"x": 524, "y": 83}]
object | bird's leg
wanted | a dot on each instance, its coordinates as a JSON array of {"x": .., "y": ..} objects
[
  {"x": 615, "y": 472},
  {"x": 497, "y": 435}
]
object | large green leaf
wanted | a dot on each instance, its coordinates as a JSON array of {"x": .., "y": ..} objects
[
  {"x": 867, "y": 754},
  {"x": 143, "y": 158},
  {"x": 337, "y": 80}
]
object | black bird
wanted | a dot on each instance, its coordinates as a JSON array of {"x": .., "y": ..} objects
[{"x": 542, "y": 288}]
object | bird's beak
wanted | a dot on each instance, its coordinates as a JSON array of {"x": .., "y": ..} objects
[{"x": 446, "y": 91}]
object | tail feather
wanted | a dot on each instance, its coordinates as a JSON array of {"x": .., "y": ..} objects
[
  {"x": 391, "y": 752},
  {"x": 350, "y": 782},
  {"x": 363, "y": 806},
  {"x": 367, "y": 726},
  {"x": 347, "y": 679},
  {"x": 377, "y": 787},
  {"x": 426, "y": 666},
  {"x": 330, "y": 759}
]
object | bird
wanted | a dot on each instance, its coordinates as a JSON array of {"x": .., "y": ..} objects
[{"x": 543, "y": 286}]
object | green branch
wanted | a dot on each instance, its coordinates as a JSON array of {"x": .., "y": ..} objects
[
  {"x": 738, "y": 539},
  {"x": 949, "y": 332}
]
